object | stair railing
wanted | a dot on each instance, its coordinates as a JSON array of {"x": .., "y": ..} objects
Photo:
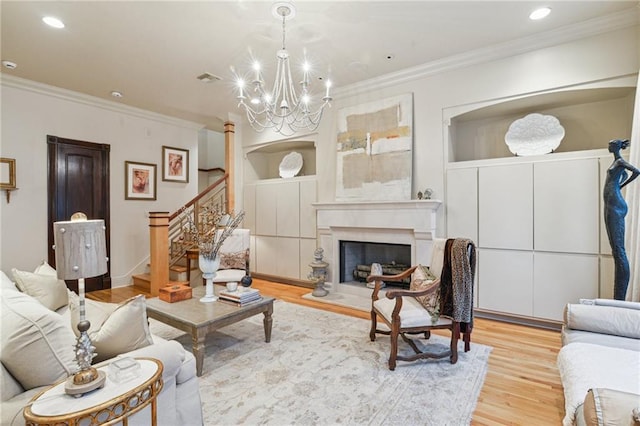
[{"x": 214, "y": 197}]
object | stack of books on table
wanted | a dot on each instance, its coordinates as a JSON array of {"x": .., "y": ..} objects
[{"x": 241, "y": 297}]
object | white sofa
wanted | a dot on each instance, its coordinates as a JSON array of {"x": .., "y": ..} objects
[
  {"x": 37, "y": 350},
  {"x": 599, "y": 362}
]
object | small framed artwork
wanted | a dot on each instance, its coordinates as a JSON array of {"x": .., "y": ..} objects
[
  {"x": 7, "y": 173},
  {"x": 175, "y": 164},
  {"x": 139, "y": 181}
]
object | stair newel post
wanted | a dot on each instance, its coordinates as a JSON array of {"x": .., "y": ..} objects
[
  {"x": 229, "y": 164},
  {"x": 159, "y": 250}
]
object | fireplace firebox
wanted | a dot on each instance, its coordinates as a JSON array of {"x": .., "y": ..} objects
[{"x": 356, "y": 258}]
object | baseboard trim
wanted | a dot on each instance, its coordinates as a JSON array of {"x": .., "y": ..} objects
[
  {"x": 283, "y": 280},
  {"x": 518, "y": 319}
]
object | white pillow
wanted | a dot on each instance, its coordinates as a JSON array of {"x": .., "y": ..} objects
[
  {"x": 36, "y": 344},
  {"x": 45, "y": 287},
  {"x": 6, "y": 283},
  {"x": 45, "y": 269},
  {"x": 115, "y": 329}
]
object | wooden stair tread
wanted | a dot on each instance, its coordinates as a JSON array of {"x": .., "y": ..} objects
[{"x": 143, "y": 281}]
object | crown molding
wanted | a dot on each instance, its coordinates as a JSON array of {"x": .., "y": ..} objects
[
  {"x": 71, "y": 96},
  {"x": 592, "y": 27}
]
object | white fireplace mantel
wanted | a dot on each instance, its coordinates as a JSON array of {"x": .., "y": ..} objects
[
  {"x": 411, "y": 222},
  {"x": 419, "y": 215}
]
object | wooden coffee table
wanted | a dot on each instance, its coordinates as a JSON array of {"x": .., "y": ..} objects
[{"x": 200, "y": 319}]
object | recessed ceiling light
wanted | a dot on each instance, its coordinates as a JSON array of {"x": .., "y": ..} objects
[
  {"x": 53, "y": 22},
  {"x": 541, "y": 13},
  {"x": 9, "y": 65},
  {"x": 116, "y": 94}
]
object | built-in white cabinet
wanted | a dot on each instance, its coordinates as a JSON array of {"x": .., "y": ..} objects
[
  {"x": 285, "y": 225},
  {"x": 538, "y": 227}
]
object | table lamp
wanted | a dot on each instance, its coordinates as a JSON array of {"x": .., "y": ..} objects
[{"x": 81, "y": 253}]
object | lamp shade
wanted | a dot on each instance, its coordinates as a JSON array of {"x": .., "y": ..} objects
[{"x": 80, "y": 247}]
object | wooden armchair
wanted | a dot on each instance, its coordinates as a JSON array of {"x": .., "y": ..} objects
[{"x": 405, "y": 315}]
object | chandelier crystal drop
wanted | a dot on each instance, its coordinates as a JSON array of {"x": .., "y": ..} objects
[{"x": 282, "y": 109}]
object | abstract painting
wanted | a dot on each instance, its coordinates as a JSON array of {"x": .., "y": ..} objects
[{"x": 374, "y": 145}]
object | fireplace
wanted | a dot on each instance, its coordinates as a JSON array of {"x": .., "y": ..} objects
[
  {"x": 411, "y": 224},
  {"x": 356, "y": 258}
]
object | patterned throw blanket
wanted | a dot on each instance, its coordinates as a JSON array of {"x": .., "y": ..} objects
[{"x": 458, "y": 273}]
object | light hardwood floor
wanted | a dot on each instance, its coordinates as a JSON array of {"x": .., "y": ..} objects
[{"x": 522, "y": 386}]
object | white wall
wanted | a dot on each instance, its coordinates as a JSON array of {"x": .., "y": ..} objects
[
  {"x": 30, "y": 112},
  {"x": 211, "y": 149},
  {"x": 589, "y": 59}
]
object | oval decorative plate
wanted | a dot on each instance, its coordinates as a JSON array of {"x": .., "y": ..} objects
[
  {"x": 290, "y": 165},
  {"x": 534, "y": 134}
]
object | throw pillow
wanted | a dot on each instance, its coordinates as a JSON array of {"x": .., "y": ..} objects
[
  {"x": 236, "y": 260},
  {"x": 421, "y": 279},
  {"x": 36, "y": 344},
  {"x": 46, "y": 288},
  {"x": 45, "y": 269},
  {"x": 604, "y": 406},
  {"x": 115, "y": 328}
]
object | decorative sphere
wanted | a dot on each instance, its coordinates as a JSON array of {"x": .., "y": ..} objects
[{"x": 246, "y": 281}]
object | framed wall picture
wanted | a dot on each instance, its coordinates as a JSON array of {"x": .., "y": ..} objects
[
  {"x": 175, "y": 164},
  {"x": 7, "y": 173},
  {"x": 139, "y": 181}
]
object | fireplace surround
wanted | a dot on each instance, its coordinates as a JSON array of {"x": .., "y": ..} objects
[{"x": 411, "y": 223}]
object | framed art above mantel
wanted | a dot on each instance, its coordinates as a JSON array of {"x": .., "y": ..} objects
[{"x": 374, "y": 150}]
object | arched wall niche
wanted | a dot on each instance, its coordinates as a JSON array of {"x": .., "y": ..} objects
[{"x": 591, "y": 114}]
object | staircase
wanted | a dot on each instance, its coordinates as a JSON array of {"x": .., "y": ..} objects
[{"x": 167, "y": 235}]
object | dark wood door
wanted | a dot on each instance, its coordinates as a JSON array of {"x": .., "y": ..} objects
[{"x": 78, "y": 182}]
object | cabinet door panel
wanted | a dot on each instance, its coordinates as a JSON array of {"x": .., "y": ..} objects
[
  {"x": 249, "y": 203},
  {"x": 267, "y": 253},
  {"x": 566, "y": 208},
  {"x": 307, "y": 247},
  {"x": 266, "y": 203},
  {"x": 505, "y": 207},
  {"x": 288, "y": 209},
  {"x": 462, "y": 203},
  {"x": 307, "y": 211},
  {"x": 288, "y": 258},
  {"x": 505, "y": 281},
  {"x": 560, "y": 278},
  {"x": 607, "y": 272}
]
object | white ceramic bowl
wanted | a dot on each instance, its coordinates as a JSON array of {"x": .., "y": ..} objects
[{"x": 232, "y": 286}]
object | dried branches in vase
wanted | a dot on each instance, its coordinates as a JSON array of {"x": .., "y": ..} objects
[{"x": 213, "y": 227}]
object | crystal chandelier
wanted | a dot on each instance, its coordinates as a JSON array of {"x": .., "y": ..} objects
[{"x": 282, "y": 109}]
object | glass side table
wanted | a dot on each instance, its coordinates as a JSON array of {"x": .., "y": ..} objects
[{"x": 113, "y": 403}]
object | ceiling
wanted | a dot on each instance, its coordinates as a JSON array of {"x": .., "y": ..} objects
[{"x": 152, "y": 51}]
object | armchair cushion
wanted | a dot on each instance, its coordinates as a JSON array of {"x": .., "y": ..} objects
[
  {"x": 43, "y": 285},
  {"x": 412, "y": 314},
  {"x": 234, "y": 260},
  {"x": 423, "y": 278},
  {"x": 115, "y": 328}
]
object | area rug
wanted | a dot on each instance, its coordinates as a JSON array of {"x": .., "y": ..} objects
[{"x": 320, "y": 368}]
